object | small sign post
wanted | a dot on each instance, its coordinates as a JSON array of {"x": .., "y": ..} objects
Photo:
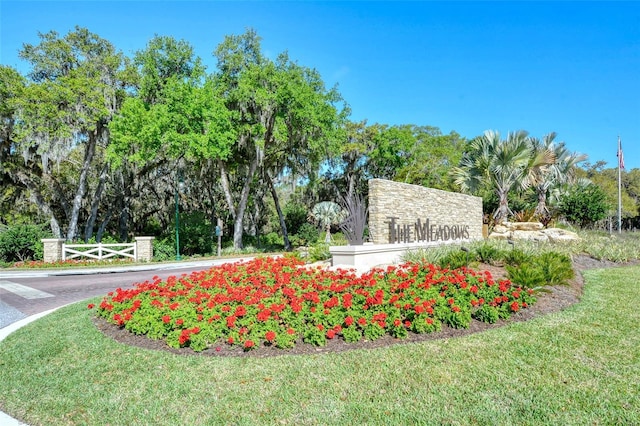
[{"x": 219, "y": 235}]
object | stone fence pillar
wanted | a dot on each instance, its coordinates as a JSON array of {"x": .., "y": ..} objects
[
  {"x": 144, "y": 249},
  {"x": 52, "y": 249}
]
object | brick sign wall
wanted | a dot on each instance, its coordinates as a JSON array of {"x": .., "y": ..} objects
[{"x": 403, "y": 213}]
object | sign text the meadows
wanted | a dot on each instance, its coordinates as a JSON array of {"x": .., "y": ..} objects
[{"x": 419, "y": 232}]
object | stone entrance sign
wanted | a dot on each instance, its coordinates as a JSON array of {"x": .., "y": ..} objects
[
  {"x": 403, "y": 213},
  {"x": 405, "y": 217}
]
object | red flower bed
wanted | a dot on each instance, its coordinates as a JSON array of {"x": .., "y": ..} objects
[{"x": 277, "y": 301}]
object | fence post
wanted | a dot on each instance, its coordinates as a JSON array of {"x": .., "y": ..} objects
[
  {"x": 144, "y": 249},
  {"x": 52, "y": 249}
]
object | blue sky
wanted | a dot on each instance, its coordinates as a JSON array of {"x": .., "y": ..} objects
[{"x": 568, "y": 67}]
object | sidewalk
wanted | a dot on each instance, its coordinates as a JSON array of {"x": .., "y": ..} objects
[
  {"x": 20, "y": 321},
  {"x": 21, "y": 273}
]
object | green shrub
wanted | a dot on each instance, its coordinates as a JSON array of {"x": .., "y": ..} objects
[
  {"x": 584, "y": 205},
  {"x": 164, "y": 249},
  {"x": 460, "y": 319},
  {"x": 486, "y": 313},
  {"x": 319, "y": 251},
  {"x": 295, "y": 215},
  {"x": 274, "y": 239},
  {"x": 526, "y": 275},
  {"x": 432, "y": 255},
  {"x": 555, "y": 267},
  {"x": 308, "y": 234},
  {"x": 248, "y": 249},
  {"x": 337, "y": 239},
  {"x": 195, "y": 234},
  {"x": 295, "y": 241},
  {"x": 106, "y": 239},
  {"x": 19, "y": 243},
  {"x": 487, "y": 253},
  {"x": 516, "y": 257},
  {"x": 454, "y": 259}
]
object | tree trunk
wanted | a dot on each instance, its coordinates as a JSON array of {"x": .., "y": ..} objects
[
  {"x": 541, "y": 208},
  {"x": 237, "y": 212},
  {"x": 88, "y": 230},
  {"x": 125, "y": 208},
  {"x": 226, "y": 189},
  {"x": 37, "y": 198},
  {"x": 503, "y": 208},
  {"x": 44, "y": 208},
  {"x": 103, "y": 225},
  {"x": 82, "y": 185},
  {"x": 283, "y": 225}
]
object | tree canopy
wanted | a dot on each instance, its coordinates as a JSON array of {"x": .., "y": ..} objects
[{"x": 94, "y": 142}]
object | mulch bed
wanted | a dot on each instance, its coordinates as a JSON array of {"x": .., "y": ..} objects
[{"x": 557, "y": 299}]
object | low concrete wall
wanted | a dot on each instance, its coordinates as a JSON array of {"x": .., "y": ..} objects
[{"x": 364, "y": 257}]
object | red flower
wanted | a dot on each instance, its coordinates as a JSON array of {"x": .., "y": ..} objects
[
  {"x": 348, "y": 321},
  {"x": 231, "y": 321},
  {"x": 362, "y": 321},
  {"x": 320, "y": 327},
  {"x": 263, "y": 315},
  {"x": 331, "y": 334},
  {"x": 455, "y": 309},
  {"x": 347, "y": 300},
  {"x": 179, "y": 321},
  {"x": 230, "y": 340},
  {"x": 248, "y": 344},
  {"x": 270, "y": 336},
  {"x": 91, "y": 306},
  {"x": 166, "y": 319},
  {"x": 291, "y": 331},
  {"x": 515, "y": 306}
]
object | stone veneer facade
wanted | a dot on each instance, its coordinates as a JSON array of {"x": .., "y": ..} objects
[
  {"x": 408, "y": 203},
  {"x": 144, "y": 249},
  {"x": 52, "y": 249}
]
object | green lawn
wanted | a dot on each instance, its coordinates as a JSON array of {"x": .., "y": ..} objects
[{"x": 580, "y": 366}]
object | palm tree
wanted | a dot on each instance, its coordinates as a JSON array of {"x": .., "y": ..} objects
[
  {"x": 327, "y": 213},
  {"x": 502, "y": 164},
  {"x": 559, "y": 167}
]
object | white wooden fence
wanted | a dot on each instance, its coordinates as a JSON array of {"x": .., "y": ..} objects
[
  {"x": 56, "y": 249},
  {"x": 98, "y": 251}
]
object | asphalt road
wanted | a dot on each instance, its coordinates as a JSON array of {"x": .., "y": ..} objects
[{"x": 25, "y": 293}]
